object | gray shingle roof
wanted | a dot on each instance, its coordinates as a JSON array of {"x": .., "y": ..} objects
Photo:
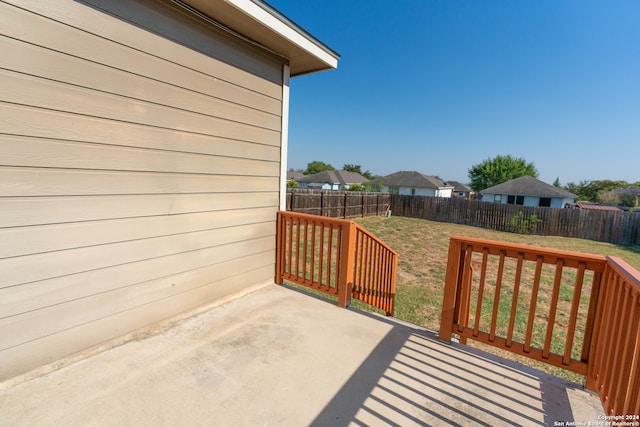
[
  {"x": 528, "y": 186},
  {"x": 458, "y": 186},
  {"x": 412, "y": 179},
  {"x": 333, "y": 177},
  {"x": 294, "y": 175}
]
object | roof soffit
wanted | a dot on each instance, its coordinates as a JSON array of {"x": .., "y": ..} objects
[{"x": 268, "y": 28}]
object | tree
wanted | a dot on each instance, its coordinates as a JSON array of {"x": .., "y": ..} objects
[
  {"x": 593, "y": 190},
  {"x": 317, "y": 167},
  {"x": 357, "y": 169},
  {"x": 498, "y": 170},
  {"x": 352, "y": 168},
  {"x": 556, "y": 183},
  {"x": 356, "y": 187}
]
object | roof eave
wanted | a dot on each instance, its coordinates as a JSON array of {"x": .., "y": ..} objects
[{"x": 265, "y": 26}]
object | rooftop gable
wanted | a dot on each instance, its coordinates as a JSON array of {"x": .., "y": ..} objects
[{"x": 528, "y": 186}]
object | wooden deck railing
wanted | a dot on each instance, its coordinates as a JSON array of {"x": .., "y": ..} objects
[
  {"x": 576, "y": 311},
  {"x": 614, "y": 367},
  {"x": 337, "y": 257}
]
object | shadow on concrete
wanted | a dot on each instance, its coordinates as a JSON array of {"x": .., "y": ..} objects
[{"x": 413, "y": 378}]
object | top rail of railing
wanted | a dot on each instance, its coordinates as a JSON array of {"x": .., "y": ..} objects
[{"x": 524, "y": 299}]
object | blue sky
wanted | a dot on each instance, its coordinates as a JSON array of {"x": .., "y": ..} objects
[{"x": 438, "y": 86}]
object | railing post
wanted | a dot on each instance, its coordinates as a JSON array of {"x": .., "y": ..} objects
[
  {"x": 592, "y": 334},
  {"x": 394, "y": 272},
  {"x": 347, "y": 260},
  {"x": 450, "y": 290}
]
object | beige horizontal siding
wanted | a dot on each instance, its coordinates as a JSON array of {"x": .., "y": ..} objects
[
  {"x": 54, "y": 66},
  {"x": 27, "y": 90},
  {"x": 40, "y": 123},
  {"x": 139, "y": 171},
  {"x": 25, "y": 269},
  {"x": 77, "y": 34},
  {"x": 21, "y": 241},
  {"x": 34, "y": 296},
  {"x": 26, "y": 211},
  {"x": 48, "y": 182},
  {"x": 53, "y": 347},
  {"x": 73, "y": 313},
  {"x": 20, "y": 151}
]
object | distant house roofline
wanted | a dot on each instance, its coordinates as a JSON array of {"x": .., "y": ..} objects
[
  {"x": 412, "y": 179},
  {"x": 529, "y": 186}
]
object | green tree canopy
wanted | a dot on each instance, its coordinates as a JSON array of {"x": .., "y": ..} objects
[
  {"x": 317, "y": 167},
  {"x": 357, "y": 169},
  {"x": 498, "y": 170},
  {"x": 593, "y": 190}
]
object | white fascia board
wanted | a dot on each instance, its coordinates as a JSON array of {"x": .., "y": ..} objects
[{"x": 286, "y": 30}]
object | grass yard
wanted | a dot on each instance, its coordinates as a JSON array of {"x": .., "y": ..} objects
[{"x": 423, "y": 246}]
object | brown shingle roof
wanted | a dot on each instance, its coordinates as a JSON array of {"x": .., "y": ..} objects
[{"x": 595, "y": 206}]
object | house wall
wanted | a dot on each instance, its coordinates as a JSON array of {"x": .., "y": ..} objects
[
  {"x": 444, "y": 192},
  {"x": 139, "y": 171},
  {"x": 561, "y": 203},
  {"x": 407, "y": 191},
  {"x": 529, "y": 200}
]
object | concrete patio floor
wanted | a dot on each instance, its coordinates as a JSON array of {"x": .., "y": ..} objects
[{"x": 277, "y": 357}]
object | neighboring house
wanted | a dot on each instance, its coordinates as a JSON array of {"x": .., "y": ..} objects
[
  {"x": 294, "y": 176},
  {"x": 460, "y": 190},
  {"x": 528, "y": 191},
  {"x": 415, "y": 184},
  {"x": 331, "y": 180},
  {"x": 143, "y": 162}
]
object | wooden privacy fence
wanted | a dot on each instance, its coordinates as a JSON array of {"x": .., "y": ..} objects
[
  {"x": 621, "y": 228},
  {"x": 336, "y": 257},
  {"x": 337, "y": 204},
  {"x": 576, "y": 311}
]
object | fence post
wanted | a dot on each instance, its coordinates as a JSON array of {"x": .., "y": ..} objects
[
  {"x": 450, "y": 290},
  {"x": 347, "y": 255}
]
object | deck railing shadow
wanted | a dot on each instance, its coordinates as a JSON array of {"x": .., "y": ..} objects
[{"x": 413, "y": 378}]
